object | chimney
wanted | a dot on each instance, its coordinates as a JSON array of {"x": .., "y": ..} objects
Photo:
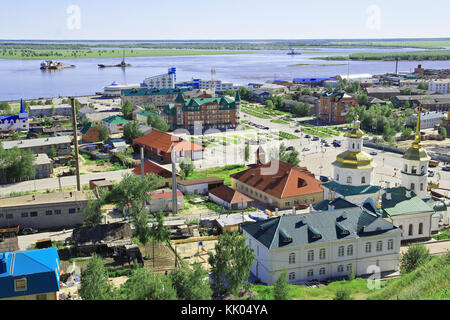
[{"x": 388, "y": 196}]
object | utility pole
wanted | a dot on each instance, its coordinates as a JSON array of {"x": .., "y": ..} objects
[
  {"x": 142, "y": 163},
  {"x": 75, "y": 136},
  {"x": 174, "y": 183}
]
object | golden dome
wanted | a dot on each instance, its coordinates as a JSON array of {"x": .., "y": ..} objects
[{"x": 353, "y": 160}]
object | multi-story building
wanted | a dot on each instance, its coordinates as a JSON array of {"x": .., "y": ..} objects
[
  {"x": 220, "y": 112},
  {"x": 90, "y": 133},
  {"x": 114, "y": 124},
  {"x": 147, "y": 96},
  {"x": 114, "y": 90},
  {"x": 61, "y": 145},
  {"x": 43, "y": 166},
  {"x": 334, "y": 106},
  {"x": 162, "y": 81},
  {"x": 322, "y": 245},
  {"x": 382, "y": 92},
  {"x": 439, "y": 86},
  {"x": 428, "y": 119},
  {"x": 48, "y": 210},
  {"x": 278, "y": 184},
  {"x": 30, "y": 275},
  {"x": 50, "y": 110},
  {"x": 221, "y": 86},
  {"x": 18, "y": 122}
]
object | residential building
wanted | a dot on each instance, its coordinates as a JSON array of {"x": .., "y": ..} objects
[
  {"x": 334, "y": 106},
  {"x": 41, "y": 111},
  {"x": 269, "y": 87},
  {"x": 323, "y": 245},
  {"x": 193, "y": 84},
  {"x": 30, "y": 275},
  {"x": 43, "y": 166},
  {"x": 229, "y": 198},
  {"x": 60, "y": 144},
  {"x": 20, "y": 122},
  {"x": 161, "y": 200},
  {"x": 446, "y": 124},
  {"x": 382, "y": 92},
  {"x": 147, "y": 96},
  {"x": 162, "y": 81},
  {"x": 428, "y": 119},
  {"x": 199, "y": 185},
  {"x": 278, "y": 184},
  {"x": 437, "y": 102},
  {"x": 97, "y": 117},
  {"x": 48, "y": 210},
  {"x": 220, "y": 112},
  {"x": 353, "y": 172},
  {"x": 114, "y": 90},
  {"x": 439, "y": 86},
  {"x": 260, "y": 95},
  {"x": 313, "y": 82},
  {"x": 158, "y": 145},
  {"x": 232, "y": 223},
  {"x": 114, "y": 124},
  {"x": 354, "y": 77},
  {"x": 151, "y": 167},
  {"x": 90, "y": 133}
]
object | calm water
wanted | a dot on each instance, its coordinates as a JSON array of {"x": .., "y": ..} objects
[{"x": 24, "y": 79}]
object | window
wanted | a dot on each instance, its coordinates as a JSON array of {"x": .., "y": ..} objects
[
  {"x": 413, "y": 186},
  {"x": 322, "y": 271},
  {"x": 421, "y": 187},
  {"x": 72, "y": 210},
  {"x": 57, "y": 211},
  {"x": 20, "y": 284},
  {"x": 421, "y": 228},
  {"x": 390, "y": 244},
  {"x": 42, "y": 296},
  {"x": 406, "y": 168},
  {"x": 340, "y": 268},
  {"x": 33, "y": 214},
  {"x": 24, "y": 215},
  {"x": 350, "y": 250},
  {"x": 292, "y": 258},
  {"x": 322, "y": 254},
  {"x": 337, "y": 177},
  {"x": 349, "y": 179},
  {"x": 48, "y": 212},
  {"x": 363, "y": 180},
  {"x": 379, "y": 246},
  {"x": 310, "y": 272},
  {"x": 1, "y": 215},
  {"x": 292, "y": 276},
  {"x": 349, "y": 266},
  {"x": 310, "y": 255},
  {"x": 341, "y": 251},
  {"x": 257, "y": 250},
  {"x": 9, "y": 216},
  {"x": 413, "y": 170},
  {"x": 410, "y": 231}
]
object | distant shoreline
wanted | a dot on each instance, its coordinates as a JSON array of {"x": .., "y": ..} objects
[{"x": 436, "y": 55}]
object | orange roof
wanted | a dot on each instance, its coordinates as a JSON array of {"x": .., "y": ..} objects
[
  {"x": 288, "y": 181},
  {"x": 229, "y": 195},
  {"x": 151, "y": 167},
  {"x": 164, "y": 141}
]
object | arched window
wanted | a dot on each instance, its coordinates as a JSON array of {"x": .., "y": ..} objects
[
  {"x": 421, "y": 228},
  {"x": 410, "y": 231},
  {"x": 353, "y": 146},
  {"x": 414, "y": 170},
  {"x": 363, "y": 180}
]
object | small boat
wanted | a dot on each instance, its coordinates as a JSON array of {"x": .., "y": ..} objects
[
  {"x": 292, "y": 53},
  {"x": 123, "y": 64},
  {"x": 54, "y": 65}
]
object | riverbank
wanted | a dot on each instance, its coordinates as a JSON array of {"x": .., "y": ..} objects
[
  {"x": 440, "y": 55},
  {"x": 38, "y": 54}
]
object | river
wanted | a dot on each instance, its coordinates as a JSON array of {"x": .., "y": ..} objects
[{"x": 23, "y": 78}]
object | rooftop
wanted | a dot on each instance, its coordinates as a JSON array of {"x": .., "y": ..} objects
[
  {"x": 229, "y": 195},
  {"x": 209, "y": 180},
  {"x": 42, "y": 199},
  {"x": 350, "y": 190},
  {"x": 164, "y": 193},
  {"x": 399, "y": 204},
  {"x": 151, "y": 167},
  {"x": 30, "y": 143}
]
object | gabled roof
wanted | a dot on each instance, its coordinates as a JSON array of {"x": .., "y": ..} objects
[
  {"x": 164, "y": 141},
  {"x": 350, "y": 190},
  {"x": 287, "y": 181},
  {"x": 115, "y": 119},
  {"x": 87, "y": 126},
  {"x": 399, "y": 204},
  {"x": 164, "y": 193},
  {"x": 41, "y": 269},
  {"x": 316, "y": 227},
  {"x": 229, "y": 195},
  {"x": 151, "y": 167},
  {"x": 338, "y": 203},
  {"x": 209, "y": 180}
]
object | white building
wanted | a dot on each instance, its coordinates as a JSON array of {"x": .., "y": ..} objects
[
  {"x": 162, "y": 81},
  {"x": 439, "y": 86},
  {"x": 353, "y": 172},
  {"x": 18, "y": 122},
  {"x": 114, "y": 90},
  {"x": 323, "y": 245},
  {"x": 428, "y": 120}
]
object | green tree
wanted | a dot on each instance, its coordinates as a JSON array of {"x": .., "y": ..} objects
[
  {"x": 132, "y": 131},
  {"x": 443, "y": 132},
  {"x": 52, "y": 154},
  {"x": 351, "y": 275},
  {"x": 103, "y": 133},
  {"x": 93, "y": 211},
  {"x": 269, "y": 104},
  {"x": 231, "y": 263},
  {"x": 48, "y": 102},
  {"x": 291, "y": 157},
  {"x": 157, "y": 122},
  {"x": 94, "y": 281},
  {"x": 191, "y": 284},
  {"x": 16, "y": 165},
  {"x": 158, "y": 231},
  {"x": 127, "y": 110},
  {"x": 406, "y": 132},
  {"x": 150, "y": 107},
  {"x": 281, "y": 287},
  {"x": 247, "y": 152},
  {"x": 229, "y": 92},
  {"x": 186, "y": 167},
  {"x": 422, "y": 86},
  {"x": 343, "y": 293},
  {"x": 5, "y": 107},
  {"x": 415, "y": 256},
  {"x": 363, "y": 99},
  {"x": 145, "y": 285}
]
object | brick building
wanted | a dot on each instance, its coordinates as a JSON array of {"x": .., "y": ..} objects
[{"x": 334, "y": 106}]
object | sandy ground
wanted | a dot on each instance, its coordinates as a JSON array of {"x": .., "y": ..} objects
[{"x": 192, "y": 252}]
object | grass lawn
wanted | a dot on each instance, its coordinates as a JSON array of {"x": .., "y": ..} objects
[
  {"x": 221, "y": 172},
  {"x": 286, "y": 135},
  {"x": 31, "y": 54},
  {"x": 444, "y": 234},
  {"x": 358, "y": 287},
  {"x": 279, "y": 121},
  {"x": 316, "y": 133}
]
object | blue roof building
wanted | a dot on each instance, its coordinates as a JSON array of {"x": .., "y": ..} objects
[
  {"x": 17, "y": 122},
  {"x": 32, "y": 274}
]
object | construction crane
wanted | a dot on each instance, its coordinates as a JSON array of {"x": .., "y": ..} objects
[{"x": 213, "y": 82}]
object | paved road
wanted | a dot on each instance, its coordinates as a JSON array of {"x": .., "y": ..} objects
[
  {"x": 27, "y": 240},
  {"x": 53, "y": 183},
  {"x": 435, "y": 247}
]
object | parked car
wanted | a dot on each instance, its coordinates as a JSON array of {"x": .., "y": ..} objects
[
  {"x": 326, "y": 144},
  {"x": 373, "y": 153},
  {"x": 289, "y": 148},
  {"x": 324, "y": 178},
  {"x": 446, "y": 168},
  {"x": 315, "y": 139},
  {"x": 305, "y": 149},
  {"x": 29, "y": 231},
  {"x": 307, "y": 136},
  {"x": 297, "y": 131}
]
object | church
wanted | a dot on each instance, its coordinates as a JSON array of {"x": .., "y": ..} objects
[{"x": 17, "y": 122}]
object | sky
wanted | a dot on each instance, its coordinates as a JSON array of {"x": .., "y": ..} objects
[{"x": 220, "y": 19}]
